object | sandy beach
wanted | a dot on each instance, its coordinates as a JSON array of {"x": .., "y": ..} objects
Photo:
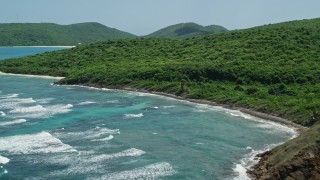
[{"x": 28, "y": 75}]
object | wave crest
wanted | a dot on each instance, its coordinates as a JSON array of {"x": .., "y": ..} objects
[{"x": 127, "y": 116}]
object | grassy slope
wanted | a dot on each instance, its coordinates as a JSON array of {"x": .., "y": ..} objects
[
  {"x": 186, "y": 30},
  {"x": 308, "y": 140},
  {"x": 25, "y": 34}
]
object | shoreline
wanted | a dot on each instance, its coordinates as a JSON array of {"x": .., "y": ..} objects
[
  {"x": 248, "y": 161},
  {"x": 298, "y": 129},
  {"x": 30, "y": 75},
  {"x": 42, "y": 46}
]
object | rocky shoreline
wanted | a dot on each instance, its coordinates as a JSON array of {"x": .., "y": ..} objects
[{"x": 303, "y": 163}]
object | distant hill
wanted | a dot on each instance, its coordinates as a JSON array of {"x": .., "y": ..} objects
[
  {"x": 186, "y": 30},
  {"x": 45, "y": 34}
]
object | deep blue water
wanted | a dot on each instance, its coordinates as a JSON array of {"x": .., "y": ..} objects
[
  {"x": 69, "y": 132},
  {"x": 16, "y": 52}
]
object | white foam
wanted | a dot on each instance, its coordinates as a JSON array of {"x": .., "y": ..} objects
[
  {"x": 113, "y": 101},
  {"x": 31, "y": 109},
  {"x": 152, "y": 171},
  {"x": 44, "y": 100},
  {"x": 108, "y": 138},
  {"x": 249, "y": 148},
  {"x": 9, "y": 123},
  {"x": 127, "y": 116},
  {"x": 242, "y": 173},
  {"x": 199, "y": 110},
  {"x": 87, "y": 87},
  {"x": 168, "y": 107},
  {"x": 40, "y": 111},
  {"x": 132, "y": 152},
  {"x": 270, "y": 125},
  {"x": 15, "y": 102},
  {"x": 97, "y": 134},
  {"x": 86, "y": 103},
  {"x": 2, "y": 114},
  {"x": 85, "y": 162},
  {"x": 4, "y": 160},
  {"x": 9, "y": 96},
  {"x": 276, "y": 127},
  {"x": 248, "y": 161},
  {"x": 42, "y": 142}
]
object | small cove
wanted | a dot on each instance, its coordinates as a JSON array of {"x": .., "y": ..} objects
[{"x": 76, "y": 132}]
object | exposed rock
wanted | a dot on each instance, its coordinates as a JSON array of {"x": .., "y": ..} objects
[{"x": 303, "y": 166}]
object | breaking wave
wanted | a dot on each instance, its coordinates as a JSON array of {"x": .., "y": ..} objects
[
  {"x": 248, "y": 161},
  {"x": 4, "y": 160},
  {"x": 152, "y": 171},
  {"x": 42, "y": 142},
  {"x": 13, "y": 122},
  {"x": 39, "y": 111},
  {"x": 127, "y": 116},
  {"x": 86, "y": 103}
]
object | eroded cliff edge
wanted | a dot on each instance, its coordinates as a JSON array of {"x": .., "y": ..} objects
[{"x": 295, "y": 159}]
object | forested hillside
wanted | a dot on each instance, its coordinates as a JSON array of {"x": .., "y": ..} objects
[
  {"x": 49, "y": 34},
  {"x": 187, "y": 30},
  {"x": 273, "y": 69}
]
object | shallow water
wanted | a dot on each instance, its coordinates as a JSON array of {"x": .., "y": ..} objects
[
  {"x": 74, "y": 132},
  {"x": 69, "y": 132}
]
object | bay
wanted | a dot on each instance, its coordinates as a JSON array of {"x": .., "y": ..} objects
[
  {"x": 16, "y": 52},
  {"x": 70, "y": 132}
]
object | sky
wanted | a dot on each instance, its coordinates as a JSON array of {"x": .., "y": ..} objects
[{"x": 142, "y": 17}]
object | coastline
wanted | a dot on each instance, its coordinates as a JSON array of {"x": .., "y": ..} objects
[
  {"x": 42, "y": 46},
  {"x": 251, "y": 112},
  {"x": 248, "y": 161},
  {"x": 264, "y": 116},
  {"x": 29, "y": 75},
  {"x": 254, "y": 157}
]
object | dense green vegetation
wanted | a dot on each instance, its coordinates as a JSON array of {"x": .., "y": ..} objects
[
  {"x": 46, "y": 34},
  {"x": 186, "y": 30},
  {"x": 273, "y": 69}
]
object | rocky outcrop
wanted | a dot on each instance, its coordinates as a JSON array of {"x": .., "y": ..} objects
[{"x": 303, "y": 166}]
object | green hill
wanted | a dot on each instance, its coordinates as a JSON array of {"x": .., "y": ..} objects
[
  {"x": 273, "y": 69},
  {"x": 45, "y": 34},
  {"x": 187, "y": 30}
]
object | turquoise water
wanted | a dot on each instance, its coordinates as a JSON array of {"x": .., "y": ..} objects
[
  {"x": 15, "y": 52},
  {"x": 69, "y": 132}
]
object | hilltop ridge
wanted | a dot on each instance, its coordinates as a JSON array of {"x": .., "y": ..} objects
[
  {"x": 50, "y": 34},
  {"x": 186, "y": 30}
]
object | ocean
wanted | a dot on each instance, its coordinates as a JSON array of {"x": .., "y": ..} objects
[
  {"x": 21, "y": 51},
  {"x": 72, "y": 132}
]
